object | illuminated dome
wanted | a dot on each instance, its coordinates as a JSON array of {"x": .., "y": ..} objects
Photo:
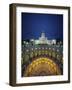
[{"x": 43, "y": 39}]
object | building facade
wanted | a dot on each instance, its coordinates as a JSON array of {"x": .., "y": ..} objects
[{"x": 43, "y": 40}]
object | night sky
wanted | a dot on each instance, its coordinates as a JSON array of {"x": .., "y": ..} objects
[{"x": 34, "y": 24}]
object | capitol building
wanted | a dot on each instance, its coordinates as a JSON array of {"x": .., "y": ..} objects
[{"x": 43, "y": 40}]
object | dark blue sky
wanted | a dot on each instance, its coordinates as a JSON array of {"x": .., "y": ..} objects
[{"x": 34, "y": 24}]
